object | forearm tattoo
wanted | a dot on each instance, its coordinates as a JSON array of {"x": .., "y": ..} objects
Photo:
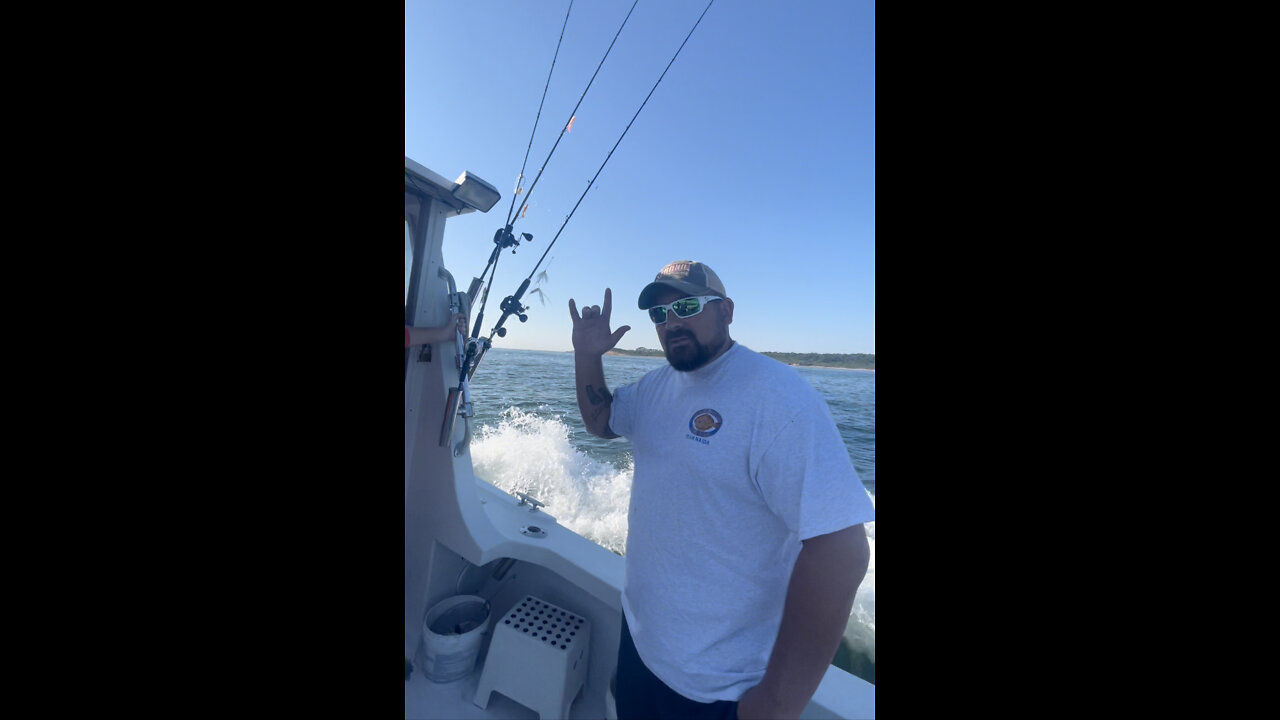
[
  {"x": 600, "y": 400},
  {"x": 598, "y": 397}
]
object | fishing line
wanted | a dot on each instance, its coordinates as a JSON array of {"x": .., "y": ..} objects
[
  {"x": 539, "y": 115},
  {"x": 504, "y": 238},
  {"x": 615, "y": 145},
  {"x": 574, "y": 112},
  {"x": 511, "y": 305}
]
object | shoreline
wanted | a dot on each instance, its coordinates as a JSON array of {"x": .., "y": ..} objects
[{"x": 797, "y": 365}]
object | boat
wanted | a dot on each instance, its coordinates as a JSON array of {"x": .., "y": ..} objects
[{"x": 466, "y": 540}]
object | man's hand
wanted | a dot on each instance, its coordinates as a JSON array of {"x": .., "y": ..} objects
[
  {"x": 813, "y": 621},
  {"x": 591, "y": 340},
  {"x": 591, "y": 335}
]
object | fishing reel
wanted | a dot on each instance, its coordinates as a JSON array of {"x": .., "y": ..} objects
[
  {"x": 511, "y": 306},
  {"x": 504, "y": 239}
]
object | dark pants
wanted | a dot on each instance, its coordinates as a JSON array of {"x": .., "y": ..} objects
[{"x": 642, "y": 696}]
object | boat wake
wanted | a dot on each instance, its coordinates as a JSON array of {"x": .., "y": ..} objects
[{"x": 532, "y": 454}]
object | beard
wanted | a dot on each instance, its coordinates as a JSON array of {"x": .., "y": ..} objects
[{"x": 693, "y": 355}]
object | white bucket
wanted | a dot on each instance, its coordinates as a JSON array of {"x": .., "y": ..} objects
[{"x": 451, "y": 635}]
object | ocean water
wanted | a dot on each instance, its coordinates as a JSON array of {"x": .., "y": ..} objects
[{"x": 529, "y": 437}]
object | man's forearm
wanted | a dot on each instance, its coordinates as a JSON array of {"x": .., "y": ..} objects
[
  {"x": 594, "y": 398},
  {"x": 820, "y": 595}
]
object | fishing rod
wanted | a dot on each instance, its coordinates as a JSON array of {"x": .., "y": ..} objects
[
  {"x": 511, "y": 305},
  {"x": 525, "y": 164},
  {"x": 572, "y": 114},
  {"x": 504, "y": 237},
  {"x": 615, "y": 147},
  {"x": 459, "y": 398}
]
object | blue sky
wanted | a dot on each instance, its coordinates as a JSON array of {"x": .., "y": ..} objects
[{"x": 755, "y": 155}]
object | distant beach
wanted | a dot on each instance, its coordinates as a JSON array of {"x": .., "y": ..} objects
[{"x": 813, "y": 360}]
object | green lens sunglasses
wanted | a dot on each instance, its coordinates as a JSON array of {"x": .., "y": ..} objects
[{"x": 685, "y": 307}]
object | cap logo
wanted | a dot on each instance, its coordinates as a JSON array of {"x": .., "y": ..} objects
[
  {"x": 676, "y": 269},
  {"x": 689, "y": 276}
]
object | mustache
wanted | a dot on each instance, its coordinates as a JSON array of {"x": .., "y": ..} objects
[{"x": 680, "y": 334}]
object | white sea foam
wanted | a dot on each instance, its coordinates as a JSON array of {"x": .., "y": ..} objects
[
  {"x": 532, "y": 454},
  {"x": 861, "y": 630}
]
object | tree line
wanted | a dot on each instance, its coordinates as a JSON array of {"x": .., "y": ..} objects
[{"x": 857, "y": 361}]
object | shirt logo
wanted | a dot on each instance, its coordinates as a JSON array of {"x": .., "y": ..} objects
[{"x": 705, "y": 423}]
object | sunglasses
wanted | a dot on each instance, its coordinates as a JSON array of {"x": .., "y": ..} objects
[{"x": 686, "y": 307}]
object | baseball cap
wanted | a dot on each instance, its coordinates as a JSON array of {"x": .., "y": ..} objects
[{"x": 687, "y": 276}]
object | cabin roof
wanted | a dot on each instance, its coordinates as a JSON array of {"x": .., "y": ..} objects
[{"x": 420, "y": 180}]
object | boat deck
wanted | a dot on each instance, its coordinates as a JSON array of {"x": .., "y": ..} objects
[
  {"x": 841, "y": 696},
  {"x": 424, "y": 699}
]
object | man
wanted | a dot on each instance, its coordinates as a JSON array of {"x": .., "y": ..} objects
[{"x": 745, "y": 543}]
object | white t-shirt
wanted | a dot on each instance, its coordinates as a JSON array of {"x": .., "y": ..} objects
[{"x": 735, "y": 463}]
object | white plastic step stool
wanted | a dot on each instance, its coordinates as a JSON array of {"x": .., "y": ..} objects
[{"x": 537, "y": 657}]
